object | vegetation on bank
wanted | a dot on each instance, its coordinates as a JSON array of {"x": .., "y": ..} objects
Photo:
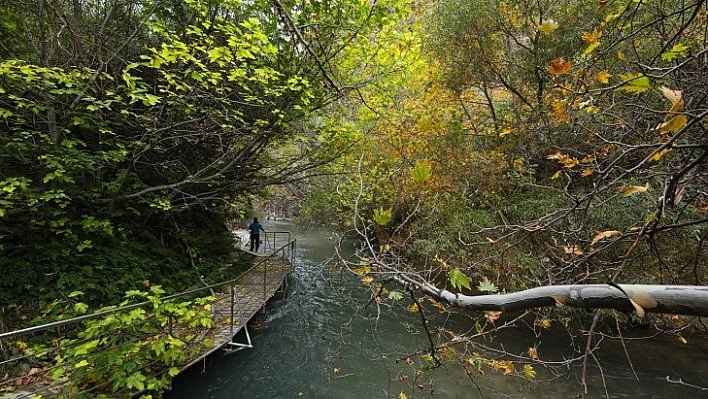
[{"x": 477, "y": 145}]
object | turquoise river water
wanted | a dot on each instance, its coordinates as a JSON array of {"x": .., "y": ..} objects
[{"x": 320, "y": 341}]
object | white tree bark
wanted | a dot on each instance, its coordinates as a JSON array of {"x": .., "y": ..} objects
[{"x": 672, "y": 299}]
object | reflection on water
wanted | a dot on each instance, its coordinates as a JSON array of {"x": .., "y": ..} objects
[{"x": 320, "y": 342}]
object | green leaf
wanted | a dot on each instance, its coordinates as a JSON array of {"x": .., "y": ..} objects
[
  {"x": 395, "y": 295},
  {"x": 634, "y": 83},
  {"x": 382, "y": 216},
  {"x": 421, "y": 172},
  {"x": 136, "y": 381},
  {"x": 80, "y": 308},
  {"x": 487, "y": 285},
  {"x": 81, "y": 364},
  {"x": 458, "y": 279},
  {"x": 678, "y": 51}
]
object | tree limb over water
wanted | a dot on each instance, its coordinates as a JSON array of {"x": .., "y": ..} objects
[{"x": 673, "y": 299}]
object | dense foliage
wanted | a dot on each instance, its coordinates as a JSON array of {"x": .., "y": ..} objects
[{"x": 134, "y": 132}]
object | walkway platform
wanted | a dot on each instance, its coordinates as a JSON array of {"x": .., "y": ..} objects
[
  {"x": 236, "y": 303},
  {"x": 234, "y": 307}
]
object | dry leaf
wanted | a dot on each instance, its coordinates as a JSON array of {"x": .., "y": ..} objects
[
  {"x": 492, "y": 315},
  {"x": 676, "y": 98},
  {"x": 559, "y": 66},
  {"x": 574, "y": 250},
  {"x": 631, "y": 190},
  {"x": 533, "y": 353},
  {"x": 605, "y": 234},
  {"x": 640, "y": 310}
]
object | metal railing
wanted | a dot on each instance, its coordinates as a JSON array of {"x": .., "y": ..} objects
[{"x": 26, "y": 368}]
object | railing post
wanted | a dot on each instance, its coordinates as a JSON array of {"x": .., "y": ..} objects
[{"x": 231, "y": 322}]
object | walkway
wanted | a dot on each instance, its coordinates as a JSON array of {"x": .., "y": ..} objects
[
  {"x": 24, "y": 375},
  {"x": 235, "y": 306}
]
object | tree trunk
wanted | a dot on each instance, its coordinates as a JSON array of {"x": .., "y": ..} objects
[{"x": 673, "y": 299}]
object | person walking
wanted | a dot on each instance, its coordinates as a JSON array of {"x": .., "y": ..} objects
[{"x": 255, "y": 228}]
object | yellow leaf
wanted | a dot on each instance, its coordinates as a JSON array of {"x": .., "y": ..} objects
[
  {"x": 367, "y": 280},
  {"x": 591, "y": 48},
  {"x": 529, "y": 372},
  {"x": 556, "y": 175},
  {"x": 603, "y": 77},
  {"x": 548, "y": 27},
  {"x": 592, "y": 37},
  {"x": 682, "y": 339},
  {"x": 673, "y": 125},
  {"x": 506, "y": 131},
  {"x": 586, "y": 172},
  {"x": 559, "y": 66},
  {"x": 631, "y": 190},
  {"x": 402, "y": 396},
  {"x": 605, "y": 234},
  {"x": 545, "y": 323},
  {"x": 559, "y": 112},
  {"x": 413, "y": 308},
  {"x": 533, "y": 353},
  {"x": 657, "y": 157},
  {"x": 587, "y": 159}
]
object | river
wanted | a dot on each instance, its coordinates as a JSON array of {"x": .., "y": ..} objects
[{"x": 319, "y": 341}]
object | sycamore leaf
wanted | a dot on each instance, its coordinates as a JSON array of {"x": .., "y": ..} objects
[
  {"x": 673, "y": 125},
  {"x": 677, "y": 51},
  {"x": 676, "y": 98},
  {"x": 486, "y": 285},
  {"x": 421, "y": 172},
  {"x": 573, "y": 250},
  {"x": 592, "y": 37},
  {"x": 634, "y": 83},
  {"x": 492, "y": 315},
  {"x": 458, "y": 279},
  {"x": 559, "y": 66},
  {"x": 382, "y": 216},
  {"x": 657, "y": 157},
  {"x": 564, "y": 159},
  {"x": 603, "y": 77},
  {"x": 395, "y": 295},
  {"x": 559, "y": 112},
  {"x": 605, "y": 234},
  {"x": 533, "y": 353},
  {"x": 507, "y": 366},
  {"x": 544, "y": 323},
  {"x": 548, "y": 27},
  {"x": 631, "y": 190}
]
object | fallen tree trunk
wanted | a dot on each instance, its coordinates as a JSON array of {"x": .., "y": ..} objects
[{"x": 672, "y": 299}]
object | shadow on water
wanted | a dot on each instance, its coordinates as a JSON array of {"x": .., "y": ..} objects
[{"x": 318, "y": 341}]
